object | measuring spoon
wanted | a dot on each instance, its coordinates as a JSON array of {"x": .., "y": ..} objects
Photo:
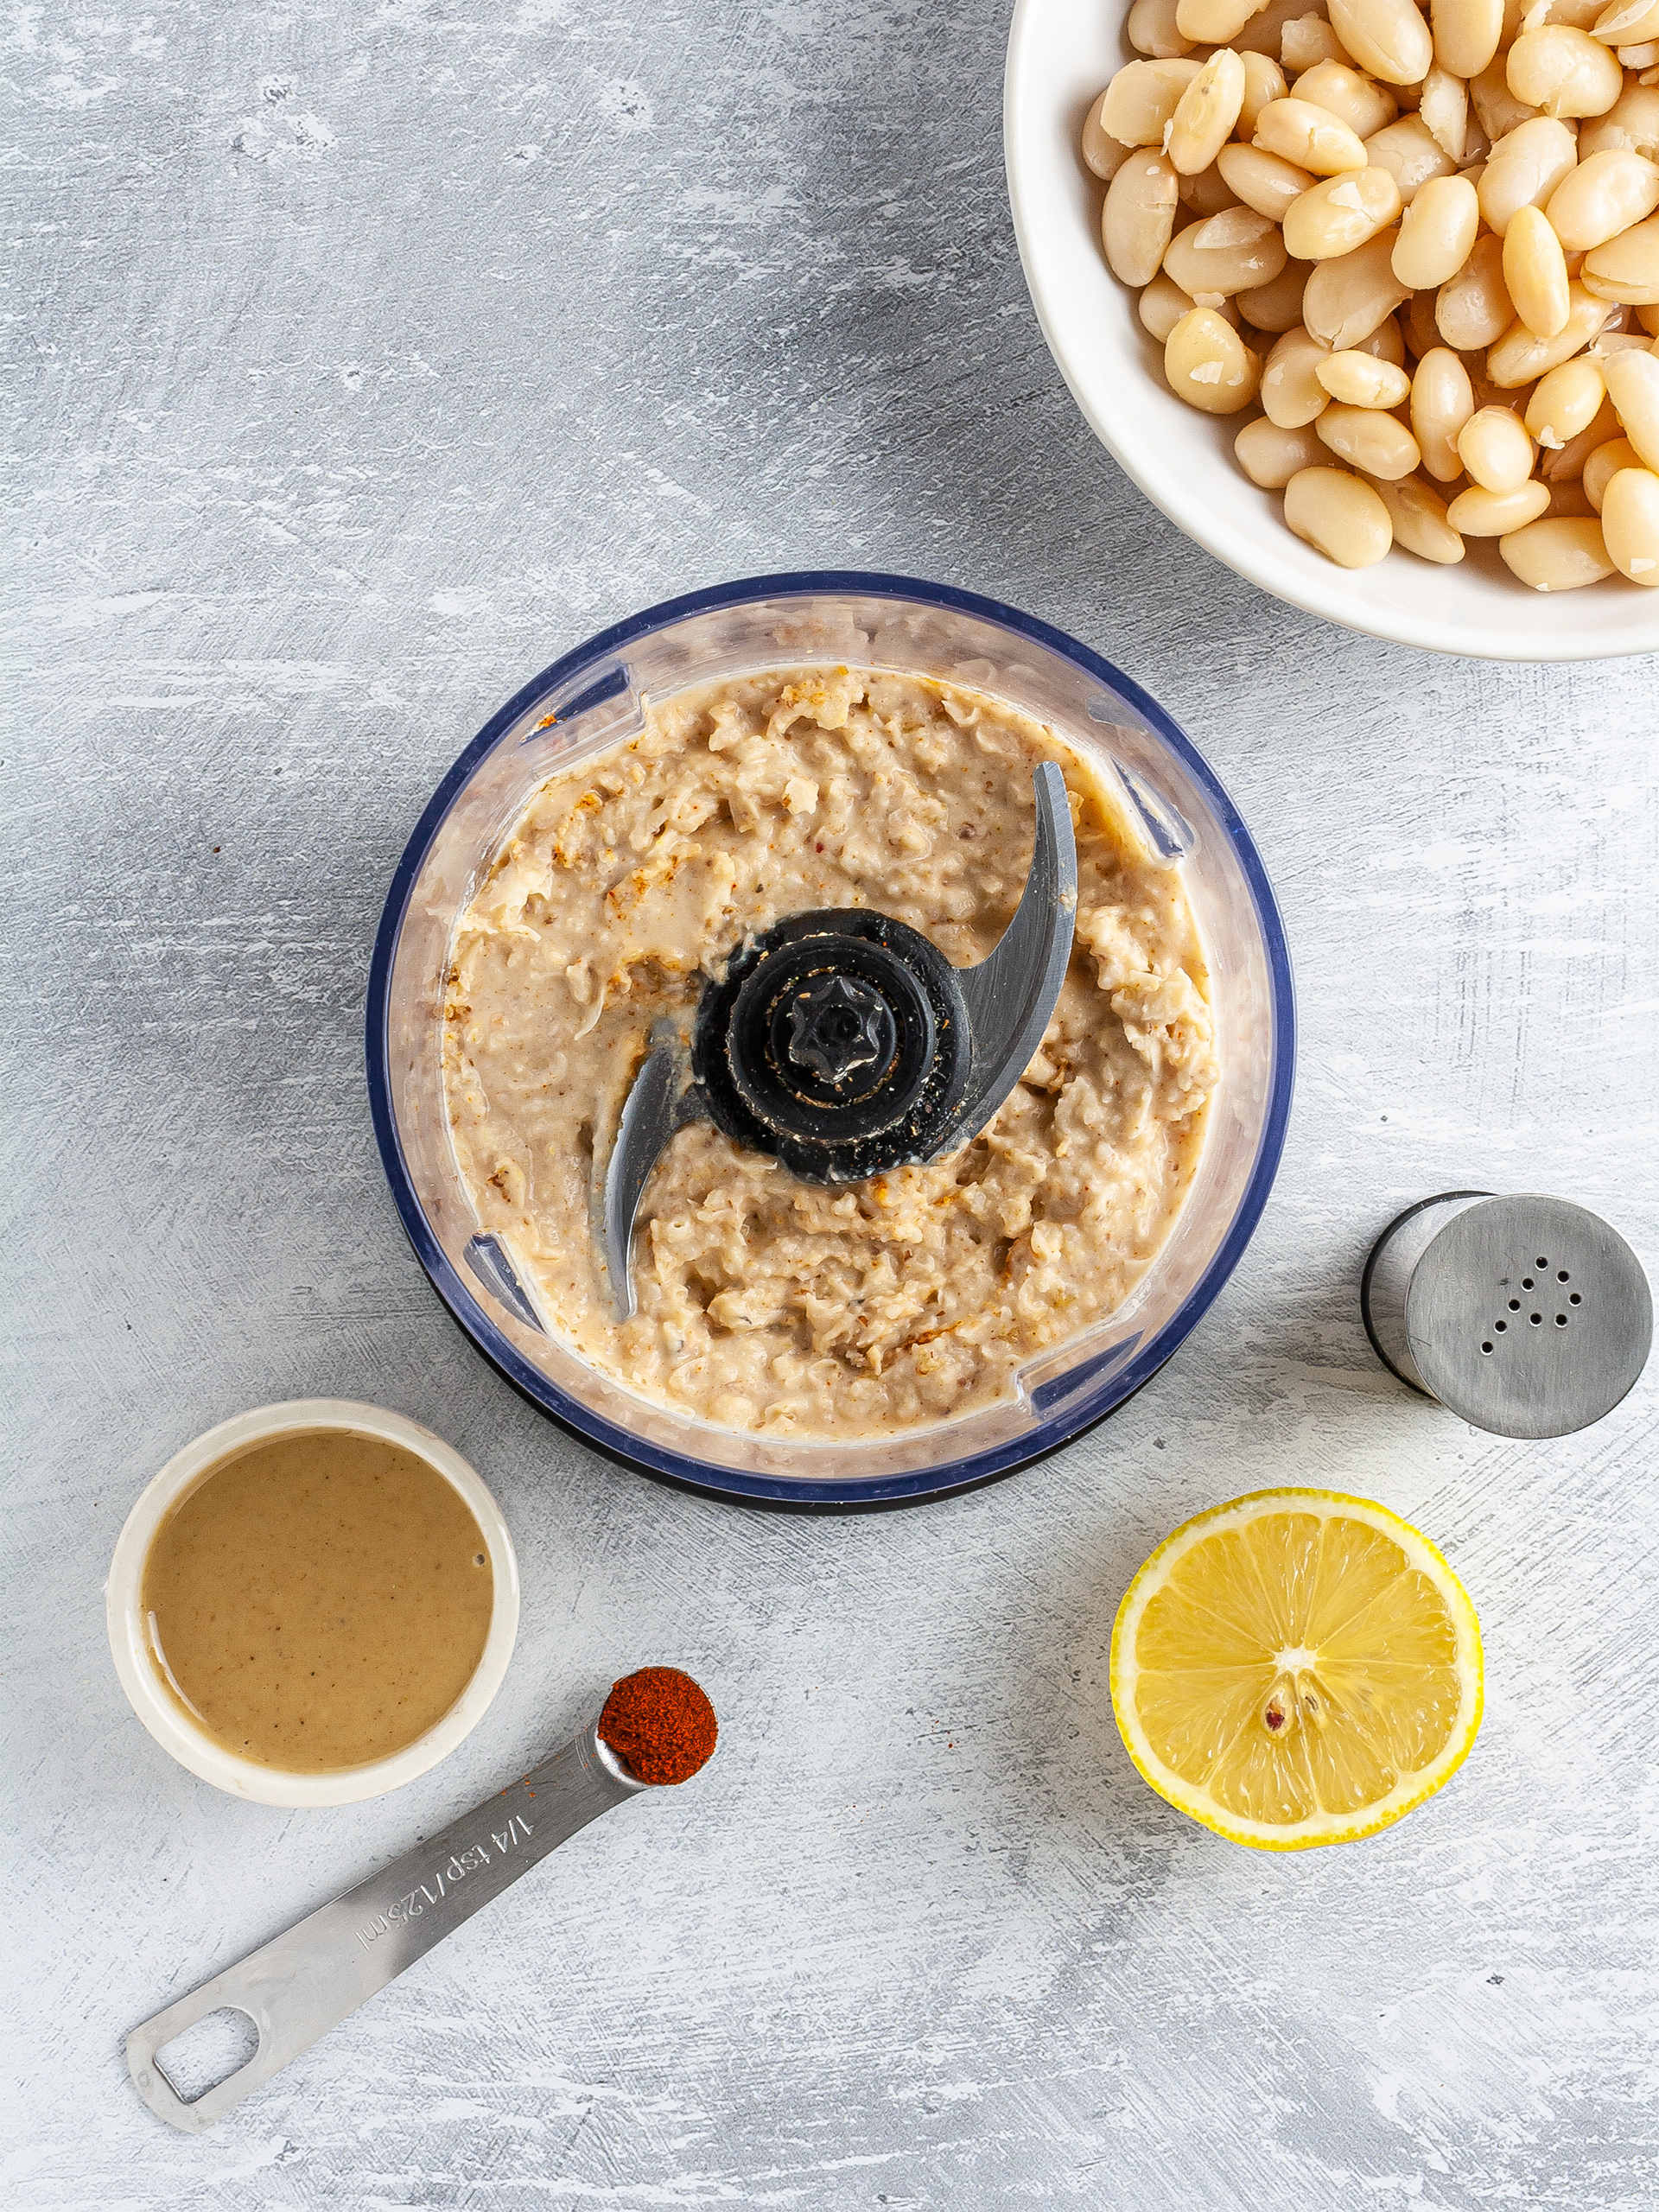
[{"x": 296, "y": 1987}]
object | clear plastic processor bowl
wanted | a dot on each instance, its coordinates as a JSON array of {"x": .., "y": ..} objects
[{"x": 593, "y": 697}]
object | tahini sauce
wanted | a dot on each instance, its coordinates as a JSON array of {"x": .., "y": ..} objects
[{"x": 320, "y": 1601}]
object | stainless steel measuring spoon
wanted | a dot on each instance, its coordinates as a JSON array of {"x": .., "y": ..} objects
[{"x": 296, "y": 1987}]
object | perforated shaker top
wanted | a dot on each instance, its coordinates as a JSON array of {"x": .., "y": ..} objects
[{"x": 1529, "y": 1317}]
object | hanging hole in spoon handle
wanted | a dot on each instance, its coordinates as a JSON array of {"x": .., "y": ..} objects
[{"x": 307, "y": 1981}]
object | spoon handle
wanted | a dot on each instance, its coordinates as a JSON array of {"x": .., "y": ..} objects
[{"x": 304, "y": 1982}]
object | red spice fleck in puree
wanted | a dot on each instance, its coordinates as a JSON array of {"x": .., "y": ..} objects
[{"x": 659, "y": 1724}]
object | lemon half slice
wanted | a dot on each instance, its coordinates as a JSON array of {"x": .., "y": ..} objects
[{"x": 1296, "y": 1668}]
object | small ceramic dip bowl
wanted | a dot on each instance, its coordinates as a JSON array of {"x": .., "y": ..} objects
[{"x": 131, "y": 1645}]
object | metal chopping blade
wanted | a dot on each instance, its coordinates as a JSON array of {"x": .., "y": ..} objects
[{"x": 844, "y": 1044}]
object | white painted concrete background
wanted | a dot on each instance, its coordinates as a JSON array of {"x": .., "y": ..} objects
[{"x": 366, "y": 357}]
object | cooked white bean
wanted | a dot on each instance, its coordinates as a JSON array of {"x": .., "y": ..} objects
[
  {"x": 1270, "y": 457},
  {"x": 1560, "y": 467},
  {"x": 1264, "y": 182},
  {"x": 1556, "y": 555},
  {"x": 1315, "y": 141},
  {"x": 1101, "y": 153},
  {"x": 1603, "y": 464},
  {"x": 1627, "y": 268},
  {"x": 1601, "y": 197},
  {"x": 1373, "y": 440},
  {"x": 1518, "y": 358},
  {"x": 1339, "y": 213},
  {"x": 1562, "y": 554},
  {"x": 1443, "y": 110},
  {"x": 1142, "y": 99},
  {"x": 1347, "y": 298},
  {"x": 1229, "y": 253},
  {"x": 1465, "y": 34},
  {"x": 1442, "y": 400},
  {"x": 1479, "y": 513},
  {"x": 1363, "y": 106},
  {"x": 1307, "y": 41},
  {"x": 1139, "y": 217},
  {"x": 1560, "y": 71},
  {"x": 1497, "y": 108},
  {"x": 1417, "y": 514},
  {"x": 1388, "y": 37},
  {"x": 1437, "y": 233},
  {"x": 1340, "y": 515},
  {"x": 1525, "y": 169},
  {"x": 1264, "y": 81},
  {"x": 1204, "y": 116},
  {"x": 1206, "y": 194},
  {"x": 1630, "y": 523},
  {"x": 1565, "y": 401},
  {"x": 1360, "y": 380},
  {"x": 1383, "y": 344},
  {"x": 1533, "y": 14},
  {"x": 1276, "y": 307},
  {"x": 1290, "y": 391},
  {"x": 1213, "y": 22},
  {"x": 1209, "y": 366},
  {"x": 1627, "y": 21},
  {"x": 1163, "y": 303},
  {"x": 1154, "y": 31},
  {"x": 1409, "y": 151},
  {"x": 1535, "y": 272},
  {"x": 1265, "y": 30},
  {"x": 1474, "y": 308},
  {"x": 1630, "y": 125},
  {"x": 1633, "y": 387},
  {"x": 1494, "y": 447}
]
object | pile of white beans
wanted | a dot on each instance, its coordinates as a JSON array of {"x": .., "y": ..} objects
[{"x": 1423, "y": 242}]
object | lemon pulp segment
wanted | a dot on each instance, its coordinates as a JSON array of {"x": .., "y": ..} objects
[{"x": 1296, "y": 1668}]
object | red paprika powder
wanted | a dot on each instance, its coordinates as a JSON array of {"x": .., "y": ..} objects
[{"x": 659, "y": 1724}]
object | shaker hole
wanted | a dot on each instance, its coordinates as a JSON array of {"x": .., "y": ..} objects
[
  {"x": 1563, "y": 1276},
  {"x": 1534, "y": 1319},
  {"x": 1574, "y": 1299},
  {"x": 1514, "y": 1306},
  {"x": 1486, "y": 1347},
  {"x": 1501, "y": 1326},
  {"x": 1541, "y": 1263},
  {"x": 1526, "y": 1282},
  {"x": 1561, "y": 1321}
]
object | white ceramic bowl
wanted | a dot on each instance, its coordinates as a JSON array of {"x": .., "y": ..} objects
[
  {"x": 161, "y": 1712},
  {"x": 1060, "y": 54}
]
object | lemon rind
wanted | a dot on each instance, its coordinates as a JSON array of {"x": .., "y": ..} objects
[{"x": 1412, "y": 1790}]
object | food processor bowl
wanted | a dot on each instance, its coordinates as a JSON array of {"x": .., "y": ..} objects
[{"x": 595, "y": 697}]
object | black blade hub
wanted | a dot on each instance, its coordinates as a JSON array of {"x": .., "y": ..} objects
[{"x": 837, "y": 1042}]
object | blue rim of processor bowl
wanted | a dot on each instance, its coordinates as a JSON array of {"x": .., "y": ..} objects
[{"x": 707, "y": 1477}]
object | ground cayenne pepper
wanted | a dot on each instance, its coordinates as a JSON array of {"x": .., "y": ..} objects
[{"x": 659, "y": 1724}]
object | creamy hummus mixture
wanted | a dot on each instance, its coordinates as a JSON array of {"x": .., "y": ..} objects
[{"x": 765, "y": 1302}]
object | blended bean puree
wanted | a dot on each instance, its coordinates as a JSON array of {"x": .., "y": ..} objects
[
  {"x": 320, "y": 1601},
  {"x": 765, "y": 1302}
]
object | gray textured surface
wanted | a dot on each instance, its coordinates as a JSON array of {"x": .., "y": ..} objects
[{"x": 365, "y": 356}]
